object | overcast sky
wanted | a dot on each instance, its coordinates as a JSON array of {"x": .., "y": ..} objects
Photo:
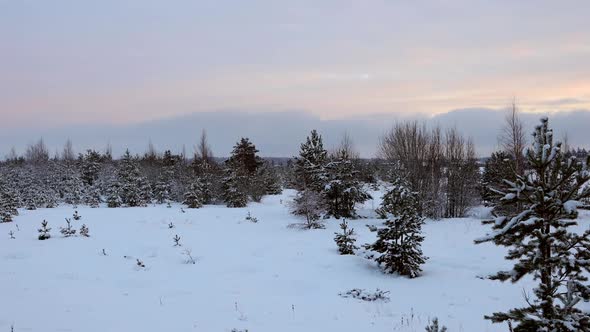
[{"x": 115, "y": 64}]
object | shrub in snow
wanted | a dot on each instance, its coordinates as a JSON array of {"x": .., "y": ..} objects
[
  {"x": 76, "y": 216},
  {"x": 433, "y": 326},
  {"x": 11, "y": 233},
  {"x": 309, "y": 204},
  {"x": 44, "y": 231},
  {"x": 189, "y": 256},
  {"x": 361, "y": 294},
  {"x": 538, "y": 237},
  {"x": 170, "y": 225},
  {"x": 139, "y": 263},
  {"x": 345, "y": 240},
  {"x": 399, "y": 242},
  {"x": 84, "y": 231},
  {"x": 251, "y": 218},
  {"x": 68, "y": 230}
]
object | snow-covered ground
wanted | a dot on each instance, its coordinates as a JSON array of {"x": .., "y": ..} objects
[{"x": 263, "y": 277}]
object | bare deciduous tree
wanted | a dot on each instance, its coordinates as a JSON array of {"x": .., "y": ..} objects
[
  {"x": 512, "y": 137},
  {"x": 38, "y": 152},
  {"x": 68, "y": 151}
]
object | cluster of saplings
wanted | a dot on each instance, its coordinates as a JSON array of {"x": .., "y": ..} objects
[
  {"x": 535, "y": 194},
  {"x": 36, "y": 181}
]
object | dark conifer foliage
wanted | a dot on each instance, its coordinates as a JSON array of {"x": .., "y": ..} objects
[
  {"x": 399, "y": 242},
  {"x": 540, "y": 241},
  {"x": 345, "y": 240},
  {"x": 342, "y": 190}
]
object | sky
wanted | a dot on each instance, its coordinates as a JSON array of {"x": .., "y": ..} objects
[{"x": 115, "y": 64}]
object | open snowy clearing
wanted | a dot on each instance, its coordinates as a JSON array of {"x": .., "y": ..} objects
[{"x": 260, "y": 276}]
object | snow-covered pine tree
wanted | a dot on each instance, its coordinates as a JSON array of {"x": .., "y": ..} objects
[
  {"x": 72, "y": 186},
  {"x": 114, "y": 196},
  {"x": 270, "y": 179},
  {"x": 134, "y": 189},
  {"x": 540, "y": 241},
  {"x": 193, "y": 198},
  {"x": 44, "y": 231},
  {"x": 342, "y": 190},
  {"x": 399, "y": 243},
  {"x": 92, "y": 196},
  {"x": 84, "y": 231},
  {"x": 68, "y": 230},
  {"x": 162, "y": 189},
  {"x": 240, "y": 173},
  {"x": 8, "y": 202},
  {"x": 345, "y": 240},
  {"x": 234, "y": 193},
  {"x": 309, "y": 167},
  {"x": 90, "y": 165}
]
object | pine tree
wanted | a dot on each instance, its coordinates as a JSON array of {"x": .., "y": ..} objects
[
  {"x": 90, "y": 166},
  {"x": 92, "y": 196},
  {"x": 342, "y": 190},
  {"x": 134, "y": 189},
  {"x": 44, "y": 231},
  {"x": 193, "y": 198},
  {"x": 162, "y": 190},
  {"x": 399, "y": 242},
  {"x": 345, "y": 240},
  {"x": 309, "y": 167},
  {"x": 72, "y": 187},
  {"x": 113, "y": 196},
  {"x": 84, "y": 231},
  {"x": 497, "y": 168},
  {"x": 234, "y": 193},
  {"x": 8, "y": 203},
  {"x": 538, "y": 237},
  {"x": 68, "y": 230}
]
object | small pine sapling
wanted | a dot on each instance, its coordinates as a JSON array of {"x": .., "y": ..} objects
[
  {"x": 345, "y": 240},
  {"x": 68, "y": 230},
  {"x": 76, "y": 216},
  {"x": 434, "y": 327},
  {"x": 84, "y": 231},
  {"x": 11, "y": 233},
  {"x": 44, "y": 231},
  {"x": 176, "y": 239},
  {"x": 250, "y": 218}
]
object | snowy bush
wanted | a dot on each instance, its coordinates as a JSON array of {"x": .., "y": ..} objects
[
  {"x": 361, "y": 294},
  {"x": 84, "y": 231},
  {"x": 68, "y": 230},
  {"x": 251, "y": 218},
  {"x": 433, "y": 326}
]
